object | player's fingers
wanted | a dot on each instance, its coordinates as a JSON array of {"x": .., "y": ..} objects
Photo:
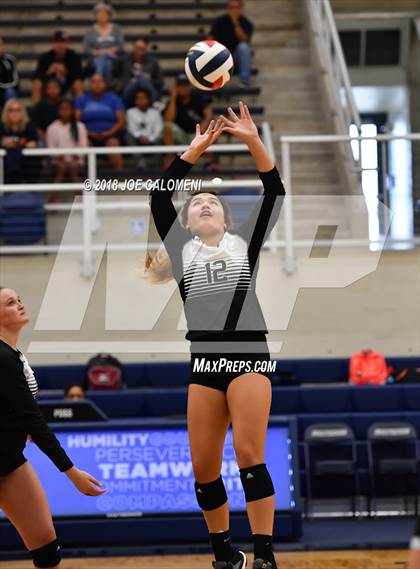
[
  {"x": 210, "y": 127},
  {"x": 226, "y": 121},
  {"x": 232, "y": 113},
  {"x": 94, "y": 481},
  {"x": 219, "y": 128},
  {"x": 242, "y": 110},
  {"x": 247, "y": 113},
  {"x": 228, "y": 129},
  {"x": 197, "y": 130},
  {"x": 218, "y": 124}
]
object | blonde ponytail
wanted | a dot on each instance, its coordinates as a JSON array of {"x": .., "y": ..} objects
[{"x": 158, "y": 267}]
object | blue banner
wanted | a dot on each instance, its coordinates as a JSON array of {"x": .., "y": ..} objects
[{"x": 149, "y": 471}]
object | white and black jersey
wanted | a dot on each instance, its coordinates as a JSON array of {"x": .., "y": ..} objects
[
  {"x": 29, "y": 374},
  {"x": 20, "y": 415},
  {"x": 217, "y": 284}
]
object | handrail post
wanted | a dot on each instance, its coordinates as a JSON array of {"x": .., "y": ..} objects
[
  {"x": 289, "y": 265},
  {"x": 87, "y": 264},
  {"x": 92, "y": 175}
]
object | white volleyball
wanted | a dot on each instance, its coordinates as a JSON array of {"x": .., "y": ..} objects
[{"x": 208, "y": 65}]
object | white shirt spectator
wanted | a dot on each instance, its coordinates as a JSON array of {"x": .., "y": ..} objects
[{"x": 145, "y": 123}]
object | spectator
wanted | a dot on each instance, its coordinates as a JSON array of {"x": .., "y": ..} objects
[
  {"x": 16, "y": 133},
  {"x": 144, "y": 125},
  {"x": 141, "y": 70},
  {"x": 234, "y": 31},
  {"x": 66, "y": 132},
  {"x": 104, "y": 116},
  {"x": 61, "y": 63},
  {"x": 104, "y": 43},
  {"x": 184, "y": 110},
  {"x": 9, "y": 78},
  {"x": 74, "y": 392},
  {"x": 46, "y": 111}
]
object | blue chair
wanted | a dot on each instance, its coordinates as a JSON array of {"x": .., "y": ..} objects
[{"x": 22, "y": 218}]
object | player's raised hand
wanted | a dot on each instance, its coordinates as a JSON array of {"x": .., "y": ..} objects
[
  {"x": 201, "y": 142},
  {"x": 243, "y": 126}
]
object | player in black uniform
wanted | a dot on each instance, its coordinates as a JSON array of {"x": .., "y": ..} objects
[
  {"x": 22, "y": 497},
  {"x": 216, "y": 272}
]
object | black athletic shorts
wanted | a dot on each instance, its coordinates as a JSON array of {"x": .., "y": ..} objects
[
  {"x": 10, "y": 463},
  {"x": 218, "y": 370}
]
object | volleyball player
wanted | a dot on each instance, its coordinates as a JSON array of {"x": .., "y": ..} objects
[
  {"x": 22, "y": 497},
  {"x": 216, "y": 271}
]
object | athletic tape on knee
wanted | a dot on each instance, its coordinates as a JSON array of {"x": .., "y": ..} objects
[
  {"x": 211, "y": 495},
  {"x": 47, "y": 556},
  {"x": 256, "y": 482}
]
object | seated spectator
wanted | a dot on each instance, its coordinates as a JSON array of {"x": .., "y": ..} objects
[
  {"x": 46, "y": 111},
  {"x": 104, "y": 43},
  {"x": 61, "y": 63},
  {"x": 16, "y": 133},
  {"x": 184, "y": 110},
  {"x": 104, "y": 116},
  {"x": 144, "y": 125},
  {"x": 9, "y": 78},
  {"x": 141, "y": 70},
  {"x": 74, "y": 392},
  {"x": 234, "y": 31},
  {"x": 66, "y": 132}
]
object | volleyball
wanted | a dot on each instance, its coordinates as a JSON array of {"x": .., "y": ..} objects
[{"x": 208, "y": 65}]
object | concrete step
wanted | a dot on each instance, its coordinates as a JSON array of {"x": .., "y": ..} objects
[
  {"x": 279, "y": 38},
  {"x": 294, "y": 55}
]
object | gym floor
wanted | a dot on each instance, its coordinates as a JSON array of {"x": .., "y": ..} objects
[{"x": 301, "y": 560}]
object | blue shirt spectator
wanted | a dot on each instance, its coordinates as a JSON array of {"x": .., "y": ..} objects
[{"x": 103, "y": 114}]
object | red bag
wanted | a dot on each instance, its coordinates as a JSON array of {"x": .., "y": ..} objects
[
  {"x": 368, "y": 366},
  {"x": 104, "y": 373}
]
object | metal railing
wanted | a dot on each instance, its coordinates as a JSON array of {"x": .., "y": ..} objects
[
  {"x": 286, "y": 142},
  {"x": 90, "y": 206},
  {"x": 333, "y": 64},
  {"x": 335, "y": 84}
]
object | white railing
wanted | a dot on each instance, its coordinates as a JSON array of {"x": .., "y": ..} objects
[
  {"x": 290, "y": 264},
  {"x": 335, "y": 85},
  {"x": 333, "y": 64},
  {"x": 89, "y": 206}
]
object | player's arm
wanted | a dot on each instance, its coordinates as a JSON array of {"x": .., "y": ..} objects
[
  {"x": 266, "y": 211},
  {"x": 162, "y": 208},
  {"x": 16, "y": 392}
]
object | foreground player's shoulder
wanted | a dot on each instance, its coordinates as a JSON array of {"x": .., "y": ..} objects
[{"x": 7, "y": 353}]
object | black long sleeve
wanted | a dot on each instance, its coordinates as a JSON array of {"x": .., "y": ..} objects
[
  {"x": 20, "y": 414},
  {"x": 226, "y": 302},
  {"x": 162, "y": 208}
]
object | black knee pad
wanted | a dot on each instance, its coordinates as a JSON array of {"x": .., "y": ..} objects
[
  {"x": 47, "y": 556},
  {"x": 211, "y": 495},
  {"x": 257, "y": 483}
]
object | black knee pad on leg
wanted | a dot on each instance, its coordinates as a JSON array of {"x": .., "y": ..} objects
[
  {"x": 211, "y": 495},
  {"x": 257, "y": 483},
  {"x": 47, "y": 556}
]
